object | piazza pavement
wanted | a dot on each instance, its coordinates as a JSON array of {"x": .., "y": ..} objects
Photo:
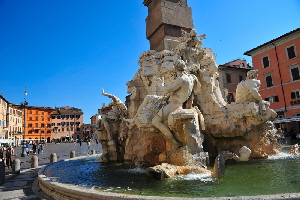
[{"x": 24, "y": 186}]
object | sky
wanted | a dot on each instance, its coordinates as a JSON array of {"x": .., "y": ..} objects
[{"x": 65, "y": 51}]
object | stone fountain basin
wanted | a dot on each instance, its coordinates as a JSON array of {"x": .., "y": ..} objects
[{"x": 57, "y": 190}]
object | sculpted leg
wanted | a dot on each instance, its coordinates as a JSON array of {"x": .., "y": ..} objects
[{"x": 165, "y": 131}]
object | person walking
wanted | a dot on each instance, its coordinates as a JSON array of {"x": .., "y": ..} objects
[
  {"x": 8, "y": 157},
  {"x": 80, "y": 142},
  {"x": 27, "y": 148},
  {"x": 34, "y": 148},
  {"x": 2, "y": 153}
]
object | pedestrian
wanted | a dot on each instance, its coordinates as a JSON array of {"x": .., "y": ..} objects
[
  {"x": 89, "y": 146},
  {"x": 42, "y": 148},
  {"x": 27, "y": 148},
  {"x": 39, "y": 148},
  {"x": 293, "y": 135},
  {"x": 80, "y": 141},
  {"x": 2, "y": 153},
  {"x": 74, "y": 143},
  {"x": 8, "y": 157},
  {"x": 34, "y": 148}
]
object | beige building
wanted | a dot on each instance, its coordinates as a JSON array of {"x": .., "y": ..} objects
[
  {"x": 66, "y": 123},
  {"x": 14, "y": 123},
  {"x": 3, "y": 118}
]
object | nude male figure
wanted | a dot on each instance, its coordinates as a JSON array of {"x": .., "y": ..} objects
[{"x": 179, "y": 92}]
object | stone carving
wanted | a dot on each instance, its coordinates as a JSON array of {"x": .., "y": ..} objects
[
  {"x": 178, "y": 116},
  {"x": 244, "y": 153},
  {"x": 219, "y": 166},
  {"x": 111, "y": 129},
  {"x": 294, "y": 149}
]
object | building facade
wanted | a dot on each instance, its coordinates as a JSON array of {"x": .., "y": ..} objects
[
  {"x": 230, "y": 75},
  {"x": 66, "y": 124},
  {"x": 278, "y": 65},
  {"x": 3, "y": 118},
  {"x": 15, "y": 123},
  {"x": 38, "y": 123}
]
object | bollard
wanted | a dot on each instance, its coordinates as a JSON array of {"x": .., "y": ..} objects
[
  {"x": 2, "y": 171},
  {"x": 53, "y": 158},
  {"x": 93, "y": 152},
  {"x": 34, "y": 162},
  {"x": 16, "y": 166},
  {"x": 72, "y": 154}
]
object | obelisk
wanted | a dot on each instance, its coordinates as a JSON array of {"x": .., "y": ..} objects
[{"x": 165, "y": 20}]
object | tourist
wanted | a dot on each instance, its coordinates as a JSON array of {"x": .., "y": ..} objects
[
  {"x": 2, "y": 153},
  {"x": 8, "y": 157},
  {"x": 27, "y": 148},
  {"x": 34, "y": 148},
  {"x": 80, "y": 142},
  {"x": 42, "y": 148},
  {"x": 293, "y": 135}
]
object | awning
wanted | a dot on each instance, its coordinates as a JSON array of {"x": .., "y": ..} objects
[
  {"x": 287, "y": 119},
  {"x": 4, "y": 141}
]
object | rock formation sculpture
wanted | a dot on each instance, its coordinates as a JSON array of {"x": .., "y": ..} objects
[{"x": 178, "y": 116}]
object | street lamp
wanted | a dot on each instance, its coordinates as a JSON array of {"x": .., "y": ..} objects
[{"x": 25, "y": 103}]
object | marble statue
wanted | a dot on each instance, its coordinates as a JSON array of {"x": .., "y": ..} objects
[{"x": 177, "y": 114}]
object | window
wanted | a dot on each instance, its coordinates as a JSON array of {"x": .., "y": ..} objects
[
  {"x": 241, "y": 77},
  {"x": 63, "y": 129},
  {"x": 265, "y": 61},
  {"x": 78, "y": 116},
  {"x": 228, "y": 78},
  {"x": 36, "y": 125},
  {"x": 29, "y": 125},
  {"x": 42, "y": 125},
  {"x": 67, "y": 116},
  {"x": 37, "y": 118},
  {"x": 295, "y": 73},
  {"x": 295, "y": 94},
  {"x": 53, "y": 124},
  {"x": 291, "y": 52},
  {"x": 272, "y": 99},
  {"x": 37, "y": 112},
  {"x": 53, "y": 117},
  {"x": 269, "y": 81},
  {"x": 58, "y": 124},
  {"x": 42, "y": 113},
  {"x": 63, "y": 116},
  {"x": 58, "y": 117},
  {"x": 42, "y": 131},
  {"x": 78, "y": 129},
  {"x": 36, "y": 131},
  {"x": 30, "y": 118}
]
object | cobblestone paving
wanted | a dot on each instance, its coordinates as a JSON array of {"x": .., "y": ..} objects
[{"x": 23, "y": 186}]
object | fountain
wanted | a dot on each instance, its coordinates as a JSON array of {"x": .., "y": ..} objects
[{"x": 176, "y": 124}]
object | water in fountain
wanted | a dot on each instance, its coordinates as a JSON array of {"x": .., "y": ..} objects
[{"x": 277, "y": 175}]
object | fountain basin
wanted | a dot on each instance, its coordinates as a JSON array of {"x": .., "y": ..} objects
[{"x": 85, "y": 177}]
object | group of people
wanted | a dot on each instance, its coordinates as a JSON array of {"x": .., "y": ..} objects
[
  {"x": 6, "y": 154},
  {"x": 37, "y": 148}
]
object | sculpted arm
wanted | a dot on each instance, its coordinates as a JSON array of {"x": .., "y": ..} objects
[
  {"x": 114, "y": 98},
  {"x": 254, "y": 91},
  {"x": 173, "y": 87}
]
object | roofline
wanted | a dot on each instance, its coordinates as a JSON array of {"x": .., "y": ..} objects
[{"x": 248, "y": 52}]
